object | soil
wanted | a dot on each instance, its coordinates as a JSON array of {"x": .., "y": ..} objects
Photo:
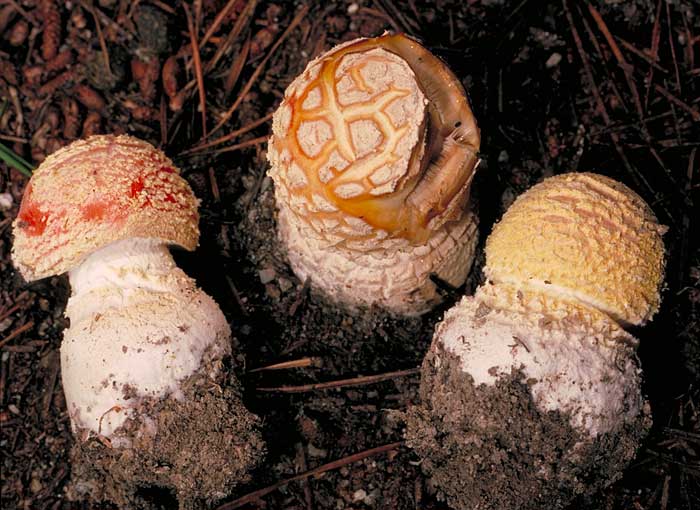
[
  {"x": 556, "y": 86},
  {"x": 188, "y": 453},
  {"x": 490, "y": 447}
]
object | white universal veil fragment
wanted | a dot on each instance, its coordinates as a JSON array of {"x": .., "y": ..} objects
[
  {"x": 534, "y": 374},
  {"x": 373, "y": 152},
  {"x": 564, "y": 351},
  {"x": 141, "y": 332}
]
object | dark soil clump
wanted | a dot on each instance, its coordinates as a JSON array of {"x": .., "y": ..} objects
[
  {"x": 489, "y": 447},
  {"x": 192, "y": 450}
]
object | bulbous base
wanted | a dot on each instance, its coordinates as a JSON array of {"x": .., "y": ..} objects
[
  {"x": 490, "y": 447},
  {"x": 206, "y": 444},
  {"x": 395, "y": 275}
]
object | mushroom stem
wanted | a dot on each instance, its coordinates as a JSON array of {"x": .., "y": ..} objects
[
  {"x": 139, "y": 326},
  {"x": 373, "y": 152},
  {"x": 118, "y": 271}
]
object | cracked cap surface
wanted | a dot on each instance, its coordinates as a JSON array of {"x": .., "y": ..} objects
[
  {"x": 373, "y": 151},
  {"x": 375, "y": 138}
]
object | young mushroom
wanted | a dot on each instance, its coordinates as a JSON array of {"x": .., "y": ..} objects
[
  {"x": 373, "y": 151},
  {"x": 531, "y": 389},
  {"x": 142, "y": 362}
]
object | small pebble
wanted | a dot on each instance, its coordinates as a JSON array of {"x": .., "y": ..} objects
[
  {"x": 267, "y": 275},
  {"x": 35, "y": 485},
  {"x": 6, "y": 201},
  {"x": 6, "y": 323},
  {"x": 553, "y": 61},
  {"x": 284, "y": 284},
  {"x": 43, "y": 329},
  {"x": 372, "y": 497},
  {"x": 18, "y": 33},
  {"x": 359, "y": 495},
  {"x": 272, "y": 291},
  {"x": 316, "y": 452}
]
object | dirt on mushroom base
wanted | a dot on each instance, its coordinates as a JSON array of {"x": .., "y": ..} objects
[
  {"x": 206, "y": 444},
  {"x": 304, "y": 318},
  {"x": 373, "y": 341},
  {"x": 538, "y": 119},
  {"x": 530, "y": 460}
]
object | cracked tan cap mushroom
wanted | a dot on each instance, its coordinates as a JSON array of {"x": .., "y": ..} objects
[
  {"x": 582, "y": 236},
  {"x": 94, "y": 192},
  {"x": 373, "y": 152}
]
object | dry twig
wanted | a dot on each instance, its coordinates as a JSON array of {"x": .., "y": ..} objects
[
  {"x": 355, "y": 381},
  {"x": 230, "y": 136},
  {"x": 197, "y": 69},
  {"x": 22, "y": 329},
  {"x": 655, "y": 38},
  {"x": 237, "y": 67},
  {"x": 297, "y": 19},
  {"x": 297, "y": 363},
  {"x": 634, "y": 173},
  {"x": 256, "y": 495},
  {"x": 103, "y": 44}
]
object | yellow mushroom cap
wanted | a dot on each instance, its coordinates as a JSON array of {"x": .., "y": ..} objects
[
  {"x": 586, "y": 237},
  {"x": 96, "y": 191}
]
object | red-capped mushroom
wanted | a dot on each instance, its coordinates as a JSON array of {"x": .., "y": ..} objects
[{"x": 144, "y": 343}]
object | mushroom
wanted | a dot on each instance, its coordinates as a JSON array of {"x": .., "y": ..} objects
[
  {"x": 373, "y": 152},
  {"x": 587, "y": 238},
  {"x": 531, "y": 388},
  {"x": 143, "y": 360}
]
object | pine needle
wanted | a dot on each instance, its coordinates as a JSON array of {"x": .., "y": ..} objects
[{"x": 15, "y": 161}]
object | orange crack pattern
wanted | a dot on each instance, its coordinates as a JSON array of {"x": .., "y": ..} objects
[{"x": 363, "y": 174}]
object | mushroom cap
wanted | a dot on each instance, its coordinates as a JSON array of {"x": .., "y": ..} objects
[
  {"x": 97, "y": 191},
  {"x": 586, "y": 237},
  {"x": 373, "y": 151},
  {"x": 374, "y": 139}
]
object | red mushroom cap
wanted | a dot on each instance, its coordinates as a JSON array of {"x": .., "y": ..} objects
[{"x": 96, "y": 191}]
